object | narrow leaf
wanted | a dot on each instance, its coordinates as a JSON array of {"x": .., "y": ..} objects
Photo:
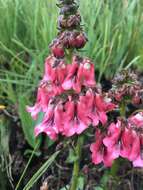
[{"x": 41, "y": 171}]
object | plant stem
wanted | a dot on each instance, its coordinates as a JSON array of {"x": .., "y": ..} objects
[
  {"x": 123, "y": 109},
  {"x": 76, "y": 166}
]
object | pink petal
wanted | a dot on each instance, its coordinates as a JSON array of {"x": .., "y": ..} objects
[
  {"x": 81, "y": 127},
  {"x": 135, "y": 148},
  {"x": 34, "y": 110},
  {"x": 97, "y": 156},
  {"x": 113, "y": 135},
  {"x": 138, "y": 162},
  {"x": 102, "y": 117},
  {"x": 67, "y": 84},
  {"x": 126, "y": 143}
]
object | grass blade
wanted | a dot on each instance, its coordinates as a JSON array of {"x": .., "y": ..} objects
[{"x": 41, "y": 171}]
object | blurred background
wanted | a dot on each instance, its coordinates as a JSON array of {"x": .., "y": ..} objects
[{"x": 115, "y": 32}]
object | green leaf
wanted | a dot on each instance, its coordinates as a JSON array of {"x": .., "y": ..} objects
[
  {"x": 41, "y": 171},
  {"x": 27, "y": 122}
]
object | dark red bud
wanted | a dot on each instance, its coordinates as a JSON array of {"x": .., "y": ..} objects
[
  {"x": 58, "y": 50},
  {"x": 72, "y": 41},
  {"x": 80, "y": 41}
]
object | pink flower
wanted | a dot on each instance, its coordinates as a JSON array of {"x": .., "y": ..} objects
[
  {"x": 47, "y": 126},
  {"x": 125, "y": 139},
  {"x": 50, "y": 73},
  {"x": 138, "y": 162},
  {"x": 55, "y": 73},
  {"x": 112, "y": 140},
  {"x": 80, "y": 73},
  {"x": 71, "y": 81},
  {"x": 52, "y": 123},
  {"x": 41, "y": 104},
  {"x": 100, "y": 153},
  {"x": 96, "y": 107},
  {"x": 55, "y": 69},
  {"x": 86, "y": 73},
  {"x": 110, "y": 155},
  {"x": 137, "y": 119},
  {"x": 126, "y": 143},
  {"x": 99, "y": 109},
  {"x": 68, "y": 127},
  {"x": 113, "y": 135},
  {"x": 75, "y": 118},
  {"x": 97, "y": 148},
  {"x": 135, "y": 150}
]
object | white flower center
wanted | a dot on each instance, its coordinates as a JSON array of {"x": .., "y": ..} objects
[{"x": 87, "y": 66}]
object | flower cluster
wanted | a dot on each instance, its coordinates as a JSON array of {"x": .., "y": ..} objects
[
  {"x": 123, "y": 138},
  {"x": 69, "y": 98}
]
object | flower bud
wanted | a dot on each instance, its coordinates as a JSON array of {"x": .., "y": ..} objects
[
  {"x": 80, "y": 40},
  {"x": 72, "y": 39},
  {"x": 58, "y": 50}
]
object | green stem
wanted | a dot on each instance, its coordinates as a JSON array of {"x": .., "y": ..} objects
[
  {"x": 76, "y": 167},
  {"x": 69, "y": 55},
  {"x": 123, "y": 109}
]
